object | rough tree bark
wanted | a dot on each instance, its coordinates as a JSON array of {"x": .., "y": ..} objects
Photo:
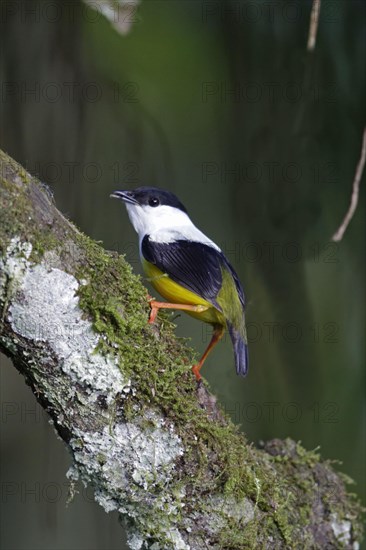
[{"x": 73, "y": 319}]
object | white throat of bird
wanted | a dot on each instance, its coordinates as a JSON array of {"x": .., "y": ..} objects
[{"x": 165, "y": 224}]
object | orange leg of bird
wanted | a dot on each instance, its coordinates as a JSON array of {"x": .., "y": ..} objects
[
  {"x": 155, "y": 306},
  {"x": 216, "y": 337}
]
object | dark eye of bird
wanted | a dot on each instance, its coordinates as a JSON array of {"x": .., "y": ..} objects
[{"x": 153, "y": 201}]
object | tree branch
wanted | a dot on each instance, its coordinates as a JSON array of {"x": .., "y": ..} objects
[
  {"x": 73, "y": 318},
  {"x": 338, "y": 235},
  {"x": 314, "y": 22}
]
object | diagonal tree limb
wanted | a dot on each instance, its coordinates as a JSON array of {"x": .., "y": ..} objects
[
  {"x": 338, "y": 235},
  {"x": 73, "y": 319}
]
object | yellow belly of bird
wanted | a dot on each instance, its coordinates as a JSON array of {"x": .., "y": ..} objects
[{"x": 177, "y": 294}]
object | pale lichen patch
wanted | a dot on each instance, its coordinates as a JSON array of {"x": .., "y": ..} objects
[
  {"x": 146, "y": 454},
  {"x": 216, "y": 510},
  {"x": 14, "y": 263},
  {"x": 134, "y": 460},
  {"x": 342, "y": 529},
  {"x": 135, "y": 541},
  {"x": 45, "y": 308}
]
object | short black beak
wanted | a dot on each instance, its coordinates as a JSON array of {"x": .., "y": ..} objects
[{"x": 125, "y": 196}]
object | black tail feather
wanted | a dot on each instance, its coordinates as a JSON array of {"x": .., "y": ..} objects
[{"x": 240, "y": 351}]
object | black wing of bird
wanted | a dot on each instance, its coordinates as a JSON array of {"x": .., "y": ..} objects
[{"x": 194, "y": 265}]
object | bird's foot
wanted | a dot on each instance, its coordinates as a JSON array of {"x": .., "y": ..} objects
[
  {"x": 153, "y": 312},
  {"x": 196, "y": 372}
]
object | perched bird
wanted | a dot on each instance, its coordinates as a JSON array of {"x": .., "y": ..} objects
[{"x": 187, "y": 268}]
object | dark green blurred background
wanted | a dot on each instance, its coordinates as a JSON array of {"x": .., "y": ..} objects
[{"x": 221, "y": 103}]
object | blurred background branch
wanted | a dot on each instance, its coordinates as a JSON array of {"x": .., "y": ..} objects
[
  {"x": 338, "y": 235},
  {"x": 314, "y": 22},
  {"x": 120, "y": 13}
]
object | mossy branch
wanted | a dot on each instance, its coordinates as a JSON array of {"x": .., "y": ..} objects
[{"x": 73, "y": 319}]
